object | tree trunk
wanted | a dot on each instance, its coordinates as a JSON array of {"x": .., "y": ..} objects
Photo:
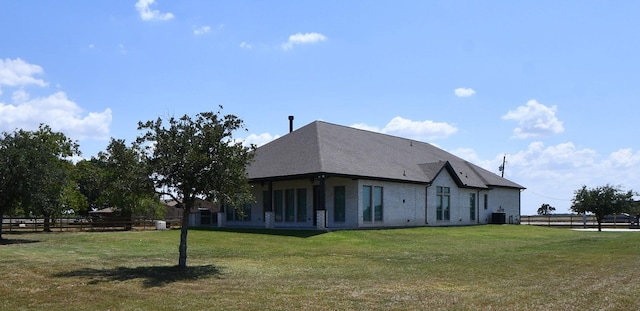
[
  {"x": 182, "y": 261},
  {"x": 127, "y": 217},
  {"x": 47, "y": 223},
  {"x": 599, "y": 225}
]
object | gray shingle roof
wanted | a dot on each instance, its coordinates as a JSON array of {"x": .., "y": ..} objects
[{"x": 321, "y": 147}]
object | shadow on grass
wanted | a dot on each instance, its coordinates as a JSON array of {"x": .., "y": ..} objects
[
  {"x": 297, "y": 233},
  {"x": 155, "y": 276},
  {"x": 5, "y": 241}
]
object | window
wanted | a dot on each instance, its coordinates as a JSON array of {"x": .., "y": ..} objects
[
  {"x": 301, "y": 205},
  {"x": 377, "y": 203},
  {"x": 266, "y": 201},
  {"x": 239, "y": 214},
  {"x": 443, "y": 206},
  {"x": 366, "y": 203},
  {"x": 372, "y": 198},
  {"x": 278, "y": 203},
  {"x": 472, "y": 206},
  {"x": 289, "y": 201},
  {"x": 290, "y": 205},
  {"x": 486, "y": 201},
  {"x": 339, "y": 204}
]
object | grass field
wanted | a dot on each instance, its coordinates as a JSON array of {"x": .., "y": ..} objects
[{"x": 458, "y": 268}]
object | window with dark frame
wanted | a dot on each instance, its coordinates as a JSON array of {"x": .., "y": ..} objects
[
  {"x": 301, "y": 205},
  {"x": 289, "y": 205},
  {"x": 339, "y": 204},
  {"x": 472, "y": 206},
  {"x": 241, "y": 214},
  {"x": 486, "y": 201},
  {"x": 443, "y": 203},
  {"x": 372, "y": 203}
]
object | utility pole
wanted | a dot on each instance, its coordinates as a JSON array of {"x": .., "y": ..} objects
[{"x": 501, "y": 168}]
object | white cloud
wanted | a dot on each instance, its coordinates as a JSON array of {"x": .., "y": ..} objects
[
  {"x": 564, "y": 156},
  {"x": 553, "y": 173},
  {"x": 17, "y": 72},
  {"x": 202, "y": 30},
  {"x": 58, "y": 112},
  {"x": 418, "y": 130},
  {"x": 534, "y": 120},
  {"x": 625, "y": 158},
  {"x": 363, "y": 126},
  {"x": 259, "y": 139},
  {"x": 245, "y": 45},
  {"x": 55, "y": 110},
  {"x": 20, "y": 96},
  {"x": 300, "y": 38},
  {"x": 464, "y": 92},
  {"x": 147, "y": 14}
]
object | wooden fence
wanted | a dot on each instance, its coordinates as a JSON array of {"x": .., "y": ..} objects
[
  {"x": 24, "y": 224},
  {"x": 572, "y": 221}
]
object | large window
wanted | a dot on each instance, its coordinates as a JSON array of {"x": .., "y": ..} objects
[
  {"x": 339, "y": 204},
  {"x": 239, "y": 214},
  {"x": 301, "y": 205},
  {"x": 266, "y": 201},
  {"x": 278, "y": 204},
  {"x": 290, "y": 205},
  {"x": 472, "y": 206},
  {"x": 372, "y": 198},
  {"x": 443, "y": 205}
]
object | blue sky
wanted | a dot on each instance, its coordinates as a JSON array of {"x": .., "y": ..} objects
[{"x": 551, "y": 84}]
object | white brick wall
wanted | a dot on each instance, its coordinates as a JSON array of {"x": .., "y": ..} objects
[{"x": 403, "y": 204}]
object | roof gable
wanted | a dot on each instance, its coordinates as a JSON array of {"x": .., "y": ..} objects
[{"x": 322, "y": 147}]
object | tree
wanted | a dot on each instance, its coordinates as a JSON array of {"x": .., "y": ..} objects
[
  {"x": 546, "y": 209},
  {"x": 88, "y": 177},
  {"x": 601, "y": 201},
  {"x": 37, "y": 171},
  {"x": 125, "y": 179},
  {"x": 197, "y": 158},
  {"x": 10, "y": 186}
]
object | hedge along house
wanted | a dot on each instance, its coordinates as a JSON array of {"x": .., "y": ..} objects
[{"x": 328, "y": 176}]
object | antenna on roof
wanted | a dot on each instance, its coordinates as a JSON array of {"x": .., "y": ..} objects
[{"x": 501, "y": 167}]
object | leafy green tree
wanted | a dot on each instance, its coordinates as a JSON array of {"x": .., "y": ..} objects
[
  {"x": 601, "y": 201},
  {"x": 125, "y": 179},
  {"x": 48, "y": 171},
  {"x": 197, "y": 158},
  {"x": 10, "y": 179},
  {"x": 88, "y": 177},
  {"x": 71, "y": 197},
  {"x": 546, "y": 209},
  {"x": 38, "y": 167}
]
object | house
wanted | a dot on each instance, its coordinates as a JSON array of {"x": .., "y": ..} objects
[{"x": 329, "y": 176}]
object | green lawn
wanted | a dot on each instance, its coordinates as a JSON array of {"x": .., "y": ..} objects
[{"x": 457, "y": 268}]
